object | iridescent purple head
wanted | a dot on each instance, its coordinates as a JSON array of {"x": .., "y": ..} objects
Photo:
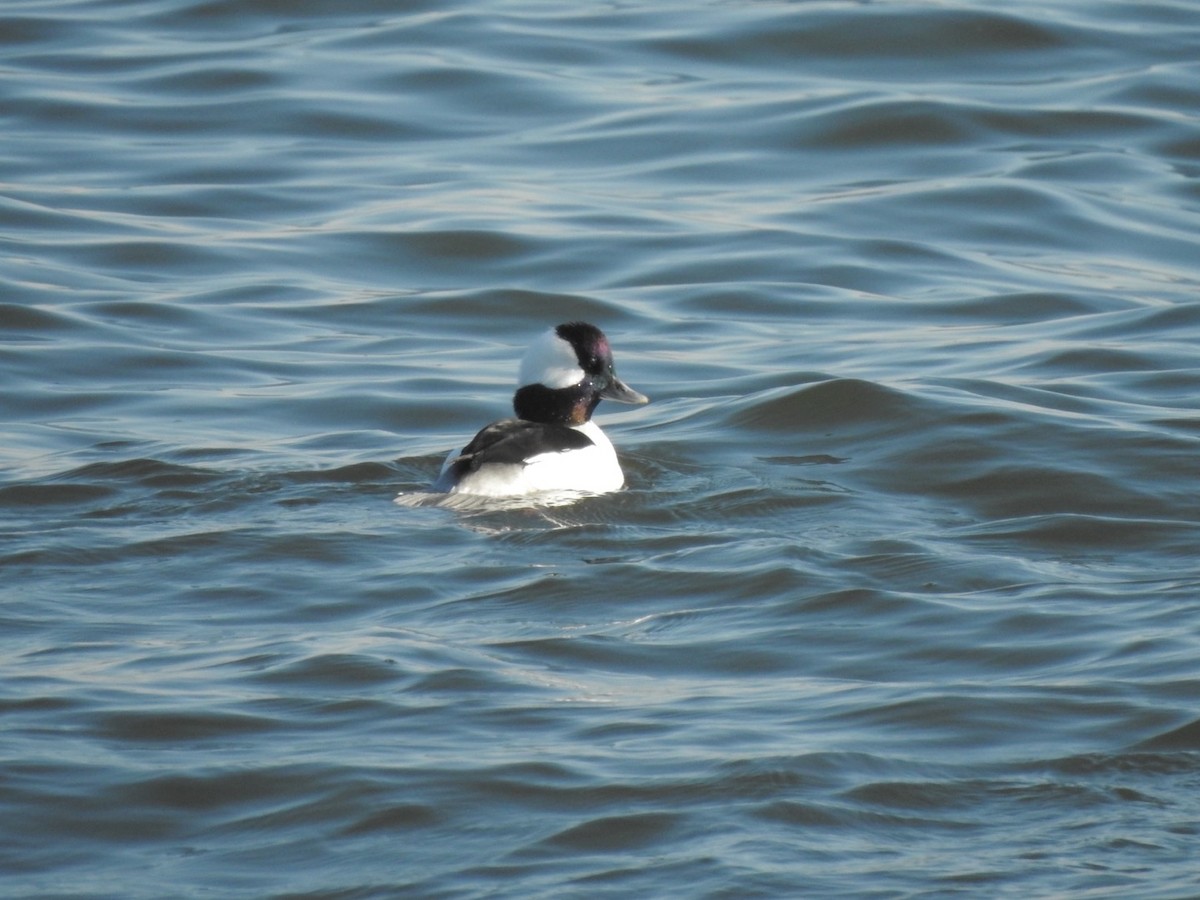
[{"x": 574, "y": 358}]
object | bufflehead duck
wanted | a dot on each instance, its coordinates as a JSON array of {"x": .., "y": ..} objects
[{"x": 553, "y": 445}]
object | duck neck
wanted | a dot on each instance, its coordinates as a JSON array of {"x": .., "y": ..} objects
[{"x": 571, "y": 406}]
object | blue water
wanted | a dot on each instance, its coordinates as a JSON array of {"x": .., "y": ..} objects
[{"x": 902, "y": 598}]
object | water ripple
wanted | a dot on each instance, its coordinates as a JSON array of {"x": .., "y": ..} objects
[{"x": 902, "y": 587}]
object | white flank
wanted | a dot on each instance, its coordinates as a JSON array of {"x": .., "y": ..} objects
[{"x": 590, "y": 470}]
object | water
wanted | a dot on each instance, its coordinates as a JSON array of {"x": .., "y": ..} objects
[{"x": 902, "y": 599}]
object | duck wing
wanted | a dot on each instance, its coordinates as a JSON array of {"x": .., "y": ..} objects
[{"x": 514, "y": 442}]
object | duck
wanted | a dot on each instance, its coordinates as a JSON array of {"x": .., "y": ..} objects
[{"x": 552, "y": 445}]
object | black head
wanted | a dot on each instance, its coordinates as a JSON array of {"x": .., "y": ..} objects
[{"x": 566, "y": 373}]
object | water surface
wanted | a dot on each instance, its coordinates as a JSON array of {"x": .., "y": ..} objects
[{"x": 901, "y": 599}]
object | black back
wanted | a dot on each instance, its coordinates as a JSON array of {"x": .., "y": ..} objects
[{"x": 512, "y": 441}]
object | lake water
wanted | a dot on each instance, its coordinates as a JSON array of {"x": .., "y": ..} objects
[{"x": 902, "y": 598}]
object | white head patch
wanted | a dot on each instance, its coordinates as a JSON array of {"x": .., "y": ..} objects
[{"x": 550, "y": 361}]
